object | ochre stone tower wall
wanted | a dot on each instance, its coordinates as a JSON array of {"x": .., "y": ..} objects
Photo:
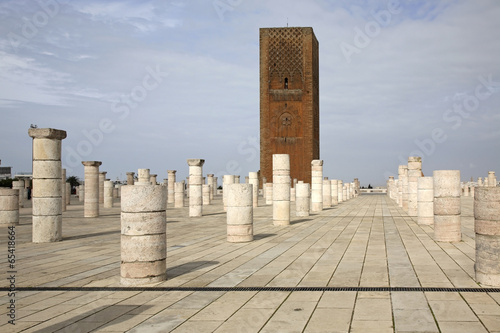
[{"x": 289, "y": 99}]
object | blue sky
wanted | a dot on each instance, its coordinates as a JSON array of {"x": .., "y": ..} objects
[{"x": 149, "y": 84}]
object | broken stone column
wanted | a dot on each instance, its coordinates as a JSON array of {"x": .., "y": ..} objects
[
  {"x": 210, "y": 181},
  {"x": 447, "y": 226},
  {"x": 487, "y": 228},
  {"x": 130, "y": 178},
  {"x": 81, "y": 192},
  {"x": 215, "y": 185},
  {"x": 425, "y": 200},
  {"x": 239, "y": 213},
  {"x": 102, "y": 179},
  {"x": 472, "y": 190},
  {"x": 206, "y": 189},
  {"x": 236, "y": 179},
  {"x": 143, "y": 235},
  {"x": 171, "y": 186},
  {"x": 340, "y": 186},
  {"x": 334, "y": 191},
  {"x": 281, "y": 189},
  {"x": 327, "y": 193},
  {"x": 480, "y": 181},
  {"x": 9, "y": 206},
  {"x": 195, "y": 187},
  {"x": 269, "y": 193},
  {"x": 68, "y": 193},
  {"x": 152, "y": 179},
  {"x": 143, "y": 177},
  {"x": 344, "y": 192},
  {"x": 405, "y": 192},
  {"x": 302, "y": 200},
  {"x": 19, "y": 185},
  {"x": 91, "y": 201},
  {"x": 316, "y": 185},
  {"x": 179, "y": 194},
  {"x": 47, "y": 185},
  {"x": 63, "y": 190},
  {"x": 108, "y": 194},
  {"x": 492, "y": 180},
  {"x": 226, "y": 180},
  {"x": 253, "y": 179},
  {"x": 414, "y": 172},
  {"x": 116, "y": 189},
  {"x": 264, "y": 181}
]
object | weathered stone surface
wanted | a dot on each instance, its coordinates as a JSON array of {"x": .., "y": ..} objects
[
  {"x": 447, "y": 191},
  {"x": 179, "y": 194},
  {"x": 281, "y": 189},
  {"x": 9, "y": 206},
  {"x": 91, "y": 199},
  {"x": 425, "y": 201},
  {"x": 253, "y": 179},
  {"x": 302, "y": 200},
  {"x": 147, "y": 198},
  {"x": 316, "y": 185},
  {"x": 240, "y": 213}
]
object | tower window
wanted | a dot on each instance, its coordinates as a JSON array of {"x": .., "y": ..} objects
[{"x": 286, "y": 83}]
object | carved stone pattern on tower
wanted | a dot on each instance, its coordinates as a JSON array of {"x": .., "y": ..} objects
[{"x": 285, "y": 53}]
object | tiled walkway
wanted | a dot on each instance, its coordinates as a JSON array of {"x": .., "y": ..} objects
[{"x": 365, "y": 242}]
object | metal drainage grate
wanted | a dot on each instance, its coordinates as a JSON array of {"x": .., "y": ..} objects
[{"x": 287, "y": 289}]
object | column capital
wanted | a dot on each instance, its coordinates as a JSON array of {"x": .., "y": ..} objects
[
  {"x": 317, "y": 162},
  {"x": 171, "y": 171},
  {"x": 47, "y": 133},
  {"x": 195, "y": 162},
  {"x": 91, "y": 163}
]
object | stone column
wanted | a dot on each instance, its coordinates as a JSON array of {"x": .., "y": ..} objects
[
  {"x": 401, "y": 172},
  {"x": 68, "y": 193},
  {"x": 19, "y": 185},
  {"x": 63, "y": 190},
  {"x": 116, "y": 189},
  {"x": 143, "y": 238},
  {"x": 81, "y": 192},
  {"x": 447, "y": 206},
  {"x": 390, "y": 187},
  {"x": 91, "y": 201},
  {"x": 334, "y": 191},
  {"x": 487, "y": 228},
  {"x": 143, "y": 177},
  {"x": 414, "y": 172},
  {"x": 152, "y": 179},
  {"x": 236, "y": 179},
  {"x": 269, "y": 193},
  {"x": 226, "y": 180},
  {"x": 425, "y": 200},
  {"x": 179, "y": 194},
  {"x": 340, "y": 186},
  {"x": 492, "y": 180},
  {"x": 210, "y": 181},
  {"x": 130, "y": 178},
  {"x": 316, "y": 186},
  {"x": 108, "y": 194},
  {"x": 472, "y": 190},
  {"x": 47, "y": 185},
  {"x": 302, "y": 200},
  {"x": 344, "y": 192},
  {"x": 206, "y": 189},
  {"x": 281, "y": 189},
  {"x": 195, "y": 187},
  {"x": 9, "y": 206},
  {"x": 247, "y": 180},
  {"x": 356, "y": 187},
  {"x": 102, "y": 179},
  {"x": 327, "y": 193},
  {"x": 405, "y": 192},
  {"x": 480, "y": 181},
  {"x": 239, "y": 213},
  {"x": 264, "y": 181},
  {"x": 215, "y": 185},
  {"x": 171, "y": 186},
  {"x": 253, "y": 179},
  {"x": 293, "y": 194}
]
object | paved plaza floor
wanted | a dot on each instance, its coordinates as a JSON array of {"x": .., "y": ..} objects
[{"x": 312, "y": 276}]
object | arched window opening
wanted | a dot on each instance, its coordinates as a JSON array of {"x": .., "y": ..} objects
[{"x": 286, "y": 83}]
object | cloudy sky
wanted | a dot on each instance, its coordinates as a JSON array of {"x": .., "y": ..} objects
[{"x": 149, "y": 84}]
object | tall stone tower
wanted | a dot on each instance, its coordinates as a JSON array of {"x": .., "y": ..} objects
[{"x": 289, "y": 99}]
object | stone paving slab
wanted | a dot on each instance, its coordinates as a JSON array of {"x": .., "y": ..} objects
[{"x": 364, "y": 242}]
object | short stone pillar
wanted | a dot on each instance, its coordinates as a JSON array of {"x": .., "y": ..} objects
[
  {"x": 226, "y": 180},
  {"x": 293, "y": 194},
  {"x": 487, "y": 228},
  {"x": 264, "y": 181},
  {"x": 19, "y": 185},
  {"x": 215, "y": 185},
  {"x": 302, "y": 200},
  {"x": 472, "y": 190},
  {"x": 401, "y": 175},
  {"x": 281, "y": 189},
  {"x": 116, "y": 189},
  {"x": 91, "y": 201},
  {"x": 102, "y": 179},
  {"x": 108, "y": 194},
  {"x": 425, "y": 200},
  {"x": 81, "y": 192},
  {"x": 47, "y": 185},
  {"x": 195, "y": 187},
  {"x": 206, "y": 189},
  {"x": 253, "y": 179},
  {"x": 447, "y": 225},
  {"x": 247, "y": 180},
  {"x": 405, "y": 192},
  {"x": 492, "y": 180},
  {"x": 239, "y": 213},
  {"x": 316, "y": 185},
  {"x": 414, "y": 173},
  {"x": 327, "y": 193},
  {"x": 236, "y": 179},
  {"x": 344, "y": 192},
  {"x": 340, "y": 186},
  {"x": 9, "y": 206},
  {"x": 210, "y": 181},
  {"x": 179, "y": 194},
  {"x": 130, "y": 178},
  {"x": 67, "y": 192},
  {"x": 144, "y": 177},
  {"x": 390, "y": 187},
  {"x": 152, "y": 179},
  {"x": 334, "y": 191},
  {"x": 63, "y": 189},
  {"x": 269, "y": 193},
  {"x": 143, "y": 234},
  {"x": 171, "y": 186}
]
